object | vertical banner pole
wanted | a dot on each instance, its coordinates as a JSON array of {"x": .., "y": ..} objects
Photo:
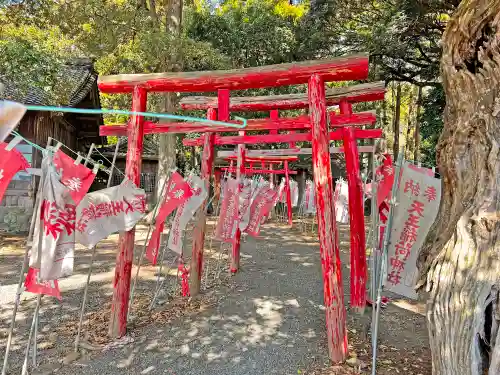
[
  {"x": 29, "y": 239},
  {"x": 288, "y": 195},
  {"x": 94, "y": 250},
  {"x": 383, "y": 263},
  {"x": 356, "y": 215},
  {"x": 240, "y": 174},
  {"x": 375, "y": 244},
  {"x": 125, "y": 256},
  {"x": 207, "y": 164},
  {"x": 325, "y": 212}
]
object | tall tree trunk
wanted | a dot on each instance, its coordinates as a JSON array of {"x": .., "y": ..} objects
[
  {"x": 396, "y": 122},
  {"x": 409, "y": 123},
  {"x": 460, "y": 263},
  {"x": 166, "y": 152},
  {"x": 416, "y": 143}
]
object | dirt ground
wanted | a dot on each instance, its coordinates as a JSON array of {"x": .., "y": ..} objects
[{"x": 403, "y": 342}]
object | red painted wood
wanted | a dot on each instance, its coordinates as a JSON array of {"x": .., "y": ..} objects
[
  {"x": 330, "y": 257},
  {"x": 125, "y": 255},
  {"x": 287, "y": 151},
  {"x": 359, "y": 270},
  {"x": 356, "y": 214},
  {"x": 266, "y": 159},
  {"x": 274, "y": 115},
  {"x": 240, "y": 174},
  {"x": 285, "y": 138},
  {"x": 223, "y": 104},
  {"x": 291, "y": 123},
  {"x": 258, "y": 171},
  {"x": 366, "y": 92},
  {"x": 207, "y": 163},
  {"x": 288, "y": 194},
  {"x": 345, "y": 68}
]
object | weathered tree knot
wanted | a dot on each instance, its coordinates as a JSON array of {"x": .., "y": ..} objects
[{"x": 496, "y": 107}]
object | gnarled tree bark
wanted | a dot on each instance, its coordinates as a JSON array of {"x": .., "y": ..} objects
[{"x": 460, "y": 263}]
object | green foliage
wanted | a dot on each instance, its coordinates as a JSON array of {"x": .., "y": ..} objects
[
  {"x": 129, "y": 36},
  {"x": 431, "y": 123},
  {"x": 33, "y": 58}
]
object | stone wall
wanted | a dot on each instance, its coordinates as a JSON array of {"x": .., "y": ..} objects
[{"x": 16, "y": 207}]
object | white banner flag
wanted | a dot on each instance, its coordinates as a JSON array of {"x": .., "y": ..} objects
[
  {"x": 294, "y": 192},
  {"x": 53, "y": 247},
  {"x": 309, "y": 198},
  {"x": 107, "y": 211},
  {"x": 417, "y": 198},
  {"x": 10, "y": 115},
  {"x": 185, "y": 213},
  {"x": 341, "y": 201},
  {"x": 244, "y": 207}
]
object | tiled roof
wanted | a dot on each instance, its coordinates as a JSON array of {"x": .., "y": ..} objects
[{"x": 79, "y": 74}]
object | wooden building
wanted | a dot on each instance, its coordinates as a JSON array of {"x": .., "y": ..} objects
[{"x": 77, "y": 131}]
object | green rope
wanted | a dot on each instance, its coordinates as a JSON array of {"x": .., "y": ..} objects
[{"x": 130, "y": 113}]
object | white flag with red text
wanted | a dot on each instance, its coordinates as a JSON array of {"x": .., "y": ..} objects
[
  {"x": 104, "y": 212},
  {"x": 177, "y": 192},
  {"x": 52, "y": 251},
  {"x": 245, "y": 198},
  {"x": 418, "y": 197},
  {"x": 226, "y": 226},
  {"x": 185, "y": 213}
]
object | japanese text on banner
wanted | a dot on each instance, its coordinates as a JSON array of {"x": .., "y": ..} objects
[{"x": 418, "y": 198}]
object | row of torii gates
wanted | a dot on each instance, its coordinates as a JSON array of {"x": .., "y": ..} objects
[{"x": 318, "y": 126}]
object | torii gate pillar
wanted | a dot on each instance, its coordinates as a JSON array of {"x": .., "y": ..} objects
[
  {"x": 207, "y": 164},
  {"x": 359, "y": 272},
  {"x": 325, "y": 212},
  {"x": 125, "y": 255}
]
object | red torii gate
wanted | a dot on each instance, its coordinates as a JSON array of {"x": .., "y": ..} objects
[
  {"x": 315, "y": 74},
  {"x": 270, "y": 160},
  {"x": 344, "y": 97}
]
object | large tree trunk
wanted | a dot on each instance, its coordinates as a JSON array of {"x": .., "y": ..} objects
[
  {"x": 460, "y": 263},
  {"x": 166, "y": 151}
]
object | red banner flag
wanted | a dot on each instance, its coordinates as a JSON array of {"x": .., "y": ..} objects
[
  {"x": 228, "y": 217},
  {"x": 386, "y": 172},
  {"x": 49, "y": 288},
  {"x": 259, "y": 209},
  {"x": 76, "y": 177},
  {"x": 11, "y": 162},
  {"x": 178, "y": 191}
]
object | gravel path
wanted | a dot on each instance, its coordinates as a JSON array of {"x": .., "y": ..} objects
[{"x": 269, "y": 322}]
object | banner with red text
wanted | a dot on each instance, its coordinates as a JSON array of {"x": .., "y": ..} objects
[
  {"x": 245, "y": 198},
  {"x": 259, "y": 209},
  {"x": 418, "y": 198},
  {"x": 76, "y": 177},
  {"x": 104, "y": 212},
  {"x": 178, "y": 191},
  {"x": 226, "y": 226},
  {"x": 185, "y": 213},
  {"x": 385, "y": 177},
  {"x": 53, "y": 247},
  {"x": 49, "y": 288}
]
